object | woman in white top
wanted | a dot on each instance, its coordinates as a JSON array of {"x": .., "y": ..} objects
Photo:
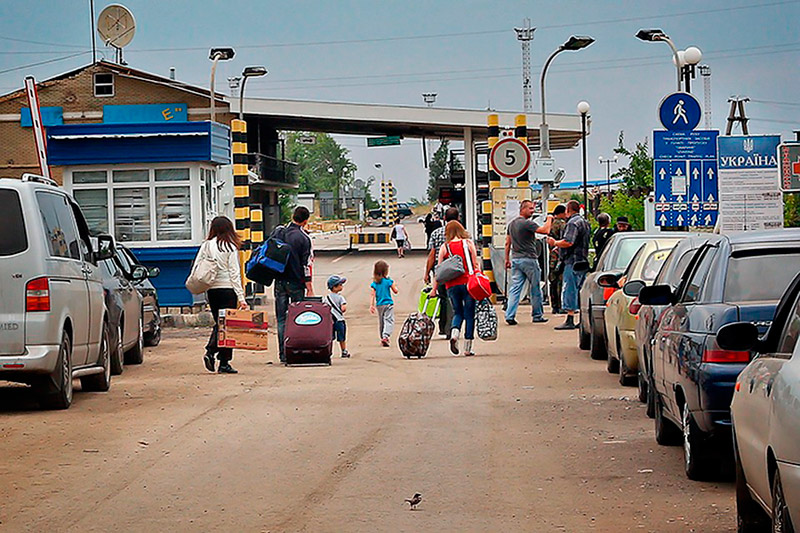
[
  {"x": 399, "y": 232},
  {"x": 222, "y": 246}
]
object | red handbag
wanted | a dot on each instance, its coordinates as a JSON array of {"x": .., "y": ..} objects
[{"x": 478, "y": 284}]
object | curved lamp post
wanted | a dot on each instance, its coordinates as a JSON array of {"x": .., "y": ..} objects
[
  {"x": 216, "y": 55},
  {"x": 607, "y": 163},
  {"x": 583, "y": 109},
  {"x": 248, "y": 72}
]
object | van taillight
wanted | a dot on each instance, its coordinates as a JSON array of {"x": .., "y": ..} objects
[
  {"x": 37, "y": 295},
  {"x": 635, "y": 306},
  {"x": 725, "y": 356}
]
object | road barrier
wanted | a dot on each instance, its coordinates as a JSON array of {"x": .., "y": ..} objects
[{"x": 369, "y": 238}]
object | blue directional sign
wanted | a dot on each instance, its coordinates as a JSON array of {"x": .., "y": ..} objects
[
  {"x": 679, "y": 112},
  {"x": 685, "y": 176}
]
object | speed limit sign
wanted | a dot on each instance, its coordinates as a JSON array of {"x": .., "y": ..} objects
[{"x": 510, "y": 157}]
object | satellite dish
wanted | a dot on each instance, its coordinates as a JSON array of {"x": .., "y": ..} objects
[{"x": 116, "y": 26}]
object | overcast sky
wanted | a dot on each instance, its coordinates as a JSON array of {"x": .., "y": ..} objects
[{"x": 391, "y": 51}]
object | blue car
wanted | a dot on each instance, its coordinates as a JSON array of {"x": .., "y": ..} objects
[{"x": 730, "y": 278}]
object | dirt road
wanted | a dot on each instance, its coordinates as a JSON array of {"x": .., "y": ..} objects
[{"x": 530, "y": 435}]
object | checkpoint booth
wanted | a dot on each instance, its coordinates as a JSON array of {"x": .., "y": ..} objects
[{"x": 153, "y": 186}]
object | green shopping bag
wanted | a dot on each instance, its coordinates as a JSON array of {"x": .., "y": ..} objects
[{"x": 429, "y": 303}]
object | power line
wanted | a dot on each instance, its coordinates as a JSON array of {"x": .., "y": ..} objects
[
  {"x": 772, "y": 102},
  {"x": 70, "y": 56},
  {"x": 27, "y": 41},
  {"x": 777, "y": 121}
]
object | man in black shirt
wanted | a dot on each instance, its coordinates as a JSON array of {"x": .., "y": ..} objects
[
  {"x": 601, "y": 236},
  {"x": 574, "y": 249},
  {"x": 295, "y": 282}
]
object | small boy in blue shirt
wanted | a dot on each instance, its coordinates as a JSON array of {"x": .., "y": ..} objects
[{"x": 338, "y": 306}]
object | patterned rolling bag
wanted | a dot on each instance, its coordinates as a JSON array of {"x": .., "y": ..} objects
[
  {"x": 415, "y": 336},
  {"x": 486, "y": 320}
]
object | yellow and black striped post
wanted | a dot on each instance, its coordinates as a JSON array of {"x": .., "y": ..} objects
[
  {"x": 494, "y": 136},
  {"x": 385, "y": 202},
  {"x": 484, "y": 197},
  {"x": 241, "y": 187},
  {"x": 392, "y": 203},
  {"x": 256, "y": 238},
  {"x": 521, "y": 133}
]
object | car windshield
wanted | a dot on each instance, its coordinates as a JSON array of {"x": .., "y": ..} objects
[
  {"x": 13, "y": 238},
  {"x": 753, "y": 278},
  {"x": 625, "y": 252},
  {"x": 653, "y": 264}
]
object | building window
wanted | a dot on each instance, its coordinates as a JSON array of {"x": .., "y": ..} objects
[
  {"x": 130, "y": 176},
  {"x": 103, "y": 84},
  {"x": 132, "y": 214},
  {"x": 94, "y": 204},
  {"x": 91, "y": 176},
  {"x": 172, "y": 174},
  {"x": 173, "y": 205}
]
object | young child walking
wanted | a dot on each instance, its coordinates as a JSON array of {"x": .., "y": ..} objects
[
  {"x": 382, "y": 303},
  {"x": 338, "y": 305}
]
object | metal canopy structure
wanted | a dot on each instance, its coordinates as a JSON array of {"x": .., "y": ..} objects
[{"x": 407, "y": 121}]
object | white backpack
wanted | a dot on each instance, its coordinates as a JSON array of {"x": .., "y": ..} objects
[{"x": 204, "y": 271}]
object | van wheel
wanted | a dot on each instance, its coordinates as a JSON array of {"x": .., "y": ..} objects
[
  {"x": 583, "y": 337},
  {"x": 101, "y": 382},
  {"x": 135, "y": 355},
  {"x": 781, "y": 523},
  {"x": 667, "y": 433},
  {"x": 118, "y": 354},
  {"x": 750, "y": 518},
  {"x": 597, "y": 346},
  {"x": 56, "y": 390},
  {"x": 695, "y": 448}
]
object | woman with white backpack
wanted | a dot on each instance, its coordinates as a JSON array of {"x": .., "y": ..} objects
[{"x": 216, "y": 272}]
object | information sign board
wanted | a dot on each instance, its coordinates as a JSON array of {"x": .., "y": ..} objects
[
  {"x": 505, "y": 208},
  {"x": 789, "y": 155}
]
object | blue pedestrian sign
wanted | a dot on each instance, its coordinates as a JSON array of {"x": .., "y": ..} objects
[
  {"x": 685, "y": 178},
  {"x": 679, "y": 112}
]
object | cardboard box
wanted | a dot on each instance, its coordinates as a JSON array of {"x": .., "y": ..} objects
[{"x": 246, "y": 330}]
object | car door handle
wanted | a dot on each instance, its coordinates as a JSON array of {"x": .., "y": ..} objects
[
  {"x": 752, "y": 384},
  {"x": 768, "y": 391}
]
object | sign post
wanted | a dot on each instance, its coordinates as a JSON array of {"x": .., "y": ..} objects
[
  {"x": 750, "y": 197},
  {"x": 505, "y": 208},
  {"x": 38, "y": 127}
]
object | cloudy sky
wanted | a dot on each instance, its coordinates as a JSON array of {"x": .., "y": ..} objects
[{"x": 391, "y": 51}]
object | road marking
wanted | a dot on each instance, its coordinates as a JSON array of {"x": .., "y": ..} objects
[{"x": 339, "y": 258}]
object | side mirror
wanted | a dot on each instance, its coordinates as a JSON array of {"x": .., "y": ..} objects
[
  {"x": 608, "y": 281},
  {"x": 739, "y": 336},
  {"x": 153, "y": 272},
  {"x": 656, "y": 295},
  {"x": 581, "y": 266},
  {"x": 105, "y": 248},
  {"x": 632, "y": 288},
  {"x": 139, "y": 273}
]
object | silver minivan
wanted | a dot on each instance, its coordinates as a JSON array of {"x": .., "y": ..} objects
[{"x": 53, "y": 320}]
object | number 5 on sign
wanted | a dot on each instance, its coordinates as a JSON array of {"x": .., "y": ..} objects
[{"x": 510, "y": 158}]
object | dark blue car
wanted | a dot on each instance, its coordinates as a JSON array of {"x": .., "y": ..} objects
[{"x": 730, "y": 278}]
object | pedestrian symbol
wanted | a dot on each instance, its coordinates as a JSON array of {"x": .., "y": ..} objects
[{"x": 680, "y": 112}]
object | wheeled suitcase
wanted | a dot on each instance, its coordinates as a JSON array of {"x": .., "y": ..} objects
[
  {"x": 415, "y": 335},
  {"x": 308, "y": 336}
]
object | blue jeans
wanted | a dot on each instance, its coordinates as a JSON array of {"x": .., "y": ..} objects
[
  {"x": 572, "y": 286},
  {"x": 463, "y": 310},
  {"x": 525, "y": 268}
]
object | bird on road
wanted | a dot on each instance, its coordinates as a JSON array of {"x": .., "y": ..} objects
[{"x": 414, "y": 501}]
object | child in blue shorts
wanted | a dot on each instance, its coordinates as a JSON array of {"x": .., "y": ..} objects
[{"x": 338, "y": 306}]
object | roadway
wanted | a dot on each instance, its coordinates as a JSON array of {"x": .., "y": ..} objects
[{"x": 529, "y": 435}]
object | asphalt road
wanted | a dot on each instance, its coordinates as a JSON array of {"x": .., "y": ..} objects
[{"x": 529, "y": 435}]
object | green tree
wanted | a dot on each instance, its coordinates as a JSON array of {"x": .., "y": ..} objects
[
  {"x": 637, "y": 176},
  {"x": 322, "y": 166},
  {"x": 622, "y": 203},
  {"x": 439, "y": 169},
  {"x": 791, "y": 210}
]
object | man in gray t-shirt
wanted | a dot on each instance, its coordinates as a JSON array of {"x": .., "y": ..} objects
[{"x": 524, "y": 263}]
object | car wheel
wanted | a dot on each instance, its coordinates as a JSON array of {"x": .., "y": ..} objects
[
  {"x": 612, "y": 363},
  {"x": 695, "y": 448},
  {"x": 597, "y": 345},
  {"x": 118, "y": 353},
  {"x": 135, "y": 356},
  {"x": 56, "y": 391},
  {"x": 642, "y": 385},
  {"x": 781, "y": 522},
  {"x": 583, "y": 337},
  {"x": 624, "y": 372},
  {"x": 750, "y": 517},
  {"x": 153, "y": 339},
  {"x": 667, "y": 433},
  {"x": 101, "y": 382},
  {"x": 651, "y": 399}
]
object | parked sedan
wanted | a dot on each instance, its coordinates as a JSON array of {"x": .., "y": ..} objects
[
  {"x": 618, "y": 252},
  {"x": 731, "y": 278},
  {"x": 623, "y": 306},
  {"x": 650, "y": 315},
  {"x": 152, "y": 312},
  {"x": 766, "y": 418},
  {"x": 124, "y": 304}
]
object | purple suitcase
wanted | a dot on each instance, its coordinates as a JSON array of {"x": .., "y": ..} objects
[{"x": 308, "y": 337}]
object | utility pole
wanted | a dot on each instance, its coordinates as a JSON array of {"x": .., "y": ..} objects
[
  {"x": 736, "y": 114},
  {"x": 705, "y": 72},
  {"x": 525, "y": 36}
]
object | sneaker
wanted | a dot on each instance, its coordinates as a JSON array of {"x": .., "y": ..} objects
[
  {"x": 539, "y": 320},
  {"x": 454, "y": 341},
  {"x": 208, "y": 360},
  {"x": 511, "y": 322},
  {"x": 385, "y": 342},
  {"x": 227, "y": 369},
  {"x": 345, "y": 354},
  {"x": 468, "y": 348}
]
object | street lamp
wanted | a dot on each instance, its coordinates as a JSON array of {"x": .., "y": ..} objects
[
  {"x": 583, "y": 109},
  {"x": 607, "y": 163},
  {"x": 215, "y": 55},
  {"x": 655, "y": 35},
  {"x": 338, "y": 193},
  {"x": 691, "y": 57},
  {"x": 248, "y": 72}
]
